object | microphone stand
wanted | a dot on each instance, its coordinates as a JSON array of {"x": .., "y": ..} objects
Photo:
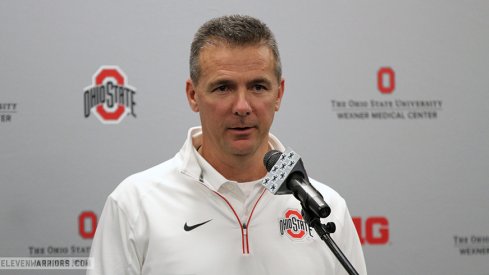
[{"x": 323, "y": 231}]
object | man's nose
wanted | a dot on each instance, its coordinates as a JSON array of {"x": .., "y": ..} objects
[{"x": 242, "y": 105}]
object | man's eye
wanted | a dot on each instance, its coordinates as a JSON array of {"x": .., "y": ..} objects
[
  {"x": 259, "y": 88},
  {"x": 222, "y": 88}
]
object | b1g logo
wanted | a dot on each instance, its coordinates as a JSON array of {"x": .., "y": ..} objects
[
  {"x": 372, "y": 230},
  {"x": 294, "y": 226},
  {"x": 109, "y": 98},
  {"x": 386, "y": 80}
]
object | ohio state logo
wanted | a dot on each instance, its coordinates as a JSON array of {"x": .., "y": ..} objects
[
  {"x": 294, "y": 226},
  {"x": 109, "y": 98}
]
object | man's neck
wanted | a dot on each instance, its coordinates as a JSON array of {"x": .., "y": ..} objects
[{"x": 235, "y": 167}]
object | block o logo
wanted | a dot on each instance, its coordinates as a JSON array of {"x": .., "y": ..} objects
[
  {"x": 109, "y": 98},
  {"x": 87, "y": 224},
  {"x": 386, "y": 80}
]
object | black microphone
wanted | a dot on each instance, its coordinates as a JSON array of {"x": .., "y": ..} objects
[{"x": 286, "y": 175}]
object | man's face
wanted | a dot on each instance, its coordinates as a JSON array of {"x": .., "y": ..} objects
[{"x": 237, "y": 96}]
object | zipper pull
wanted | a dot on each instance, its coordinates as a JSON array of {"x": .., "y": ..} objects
[
  {"x": 245, "y": 231},
  {"x": 246, "y": 248}
]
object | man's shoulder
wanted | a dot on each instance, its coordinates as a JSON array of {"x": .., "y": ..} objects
[
  {"x": 332, "y": 198},
  {"x": 138, "y": 184}
]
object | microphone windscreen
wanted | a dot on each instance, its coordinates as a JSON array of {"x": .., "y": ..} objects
[{"x": 270, "y": 158}]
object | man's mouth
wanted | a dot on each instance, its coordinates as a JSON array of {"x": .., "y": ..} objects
[{"x": 242, "y": 129}]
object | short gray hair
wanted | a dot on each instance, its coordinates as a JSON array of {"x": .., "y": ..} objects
[{"x": 236, "y": 30}]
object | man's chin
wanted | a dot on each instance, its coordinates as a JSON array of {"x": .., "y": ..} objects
[{"x": 243, "y": 148}]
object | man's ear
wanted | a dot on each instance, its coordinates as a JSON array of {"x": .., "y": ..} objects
[
  {"x": 280, "y": 94},
  {"x": 191, "y": 95}
]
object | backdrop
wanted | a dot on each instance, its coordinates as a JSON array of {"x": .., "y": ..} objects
[{"x": 386, "y": 101}]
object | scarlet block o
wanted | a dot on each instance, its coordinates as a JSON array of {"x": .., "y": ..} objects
[
  {"x": 386, "y": 73},
  {"x": 100, "y": 76},
  {"x": 91, "y": 218}
]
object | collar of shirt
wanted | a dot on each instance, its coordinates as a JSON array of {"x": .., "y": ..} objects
[{"x": 212, "y": 177}]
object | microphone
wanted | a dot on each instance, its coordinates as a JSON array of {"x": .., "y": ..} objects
[{"x": 286, "y": 175}]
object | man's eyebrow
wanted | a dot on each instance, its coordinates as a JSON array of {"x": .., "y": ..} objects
[
  {"x": 261, "y": 80},
  {"x": 228, "y": 82},
  {"x": 219, "y": 82}
]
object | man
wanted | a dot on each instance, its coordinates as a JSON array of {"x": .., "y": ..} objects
[{"x": 205, "y": 210}]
